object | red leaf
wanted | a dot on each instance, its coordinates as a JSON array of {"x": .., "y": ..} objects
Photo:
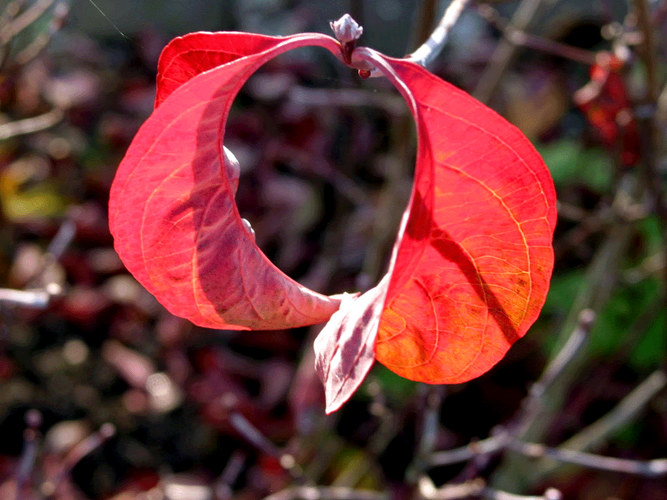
[
  {"x": 344, "y": 349},
  {"x": 471, "y": 264},
  {"x": 605, "y": 102},
  {"x": 473, "y": 259},
  {"x": 189, "y": 55},
  {"x": 172, "y": 210}
]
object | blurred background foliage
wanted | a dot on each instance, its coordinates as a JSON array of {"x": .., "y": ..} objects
[{"x": 103, "y": 394}]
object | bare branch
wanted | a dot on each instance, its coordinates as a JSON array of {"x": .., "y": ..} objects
[
  {"x": 623, "y": 413},
  {"x": 648, "y": 468},
  {"x": 532, "y": 404},
  {"x": 33, "y": 299},
  {"x": 429, "y": 50},
  {"x": 31, "y": 125},
  {"x": 24, "y": 20},
  {"x": 523, "y": 39},
  {"x": 79, "y": 451},
  {"x": 35, "y": 47},
  {"x": 506, "y": 50},
  {"x": 476, "y": 488},
  {"x": 255, "y": 437},
  {"x": 326, "y": 493},
  {"x": 31, "y": 438},
  {"x": 39, "y": 294},
  {"x": 469, "y": 451}
]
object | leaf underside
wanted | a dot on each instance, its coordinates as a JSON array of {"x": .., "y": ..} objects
[{"x": 172, "y": 210}]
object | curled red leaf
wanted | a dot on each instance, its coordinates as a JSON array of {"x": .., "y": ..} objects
[
  {"x": 473, "y": 258},
  {"x": 172, "y": 211}
]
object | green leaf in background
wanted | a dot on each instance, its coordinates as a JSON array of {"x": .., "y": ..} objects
[
  {"x": 394, "y": 387},
  {"x": 571, "y": 163},
  {"x": 616, "y": 319},
  {"x": 652, "y": 348}
]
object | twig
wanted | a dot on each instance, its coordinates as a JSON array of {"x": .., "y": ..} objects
[
  {"x": 24, "y": 20},
  {"x": 429, "y": 432},
  {"x": 523, "y": 39},
  {"x": 80, "y": 450},
  {"x": 649, "y": 47},
  {"x": 649, "y": 133},
  {"x": 229, "y": 475},
  {"x": 35, "y": 47},
  {"x": 569, "y": 451},
  {"x": 565, "y": 355},
  {"x": 251, "y": 434},
  {"x": 31, "y": 125},
  {"x": 254, "y": 436},
  {"x": 506, "y": 50},
  {"x": 647, "y": 468},
  {"x": 624, "y": 412},
  {"x": 326, "y": 493},
  {"x": 61, "y": 240},
  {"x": 476, "y": 488},
  {"x": 33, "y": 299},
  {"x": 39, "y": 297},
  {"x": 427, "y": 490},
  {"x": 30, "y": 447},
  {"x": 486, "y": 446},
  {"x": 429, "y": 50}
]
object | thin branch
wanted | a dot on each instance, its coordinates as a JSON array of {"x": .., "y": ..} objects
[
  {"x": 523, "y": 39},
  {"x": 531, "y": 406},
  {"x": 31, "y": 125},
  {"x": 39, "y": 294},
  {"x": 429, "y": 50},
  {"x": 486, "y": 446},
  {"x": 649, "y": 55},
  {"x": 33, "y": 299},
  {"x": 229, "y": 475},
  {"x": 430, "y": 416},
  {"x": 649, "y": 132},
  {"x": 647, "y": 468},
  {"x": 29, "y": 454},
  {"x": 24, "y": 20},
  {"x": 326, "y": 493},
  {"x": 623, "y": 413},
  {"x": 251, "y": 434},
  {"x": 35, "y": 47},
  {"x": 255, "y": 437},
  {"x": 569, "y": 451},
  {"x": 476, "y": 488},
  {"x": 506, "y": 50},
  {"x": 78, "y": 452}
]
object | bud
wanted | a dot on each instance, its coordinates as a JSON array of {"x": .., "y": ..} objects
[{"x": 346, "y": 29}]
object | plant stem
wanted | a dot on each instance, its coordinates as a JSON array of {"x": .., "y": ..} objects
[
  {"x": 32, "y": 124},
  {"x": 327, "y": 493},
  {"x": 429, "y": 50}
]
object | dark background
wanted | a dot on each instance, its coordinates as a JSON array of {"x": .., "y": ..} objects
[{"x": 326, "y": 169}]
